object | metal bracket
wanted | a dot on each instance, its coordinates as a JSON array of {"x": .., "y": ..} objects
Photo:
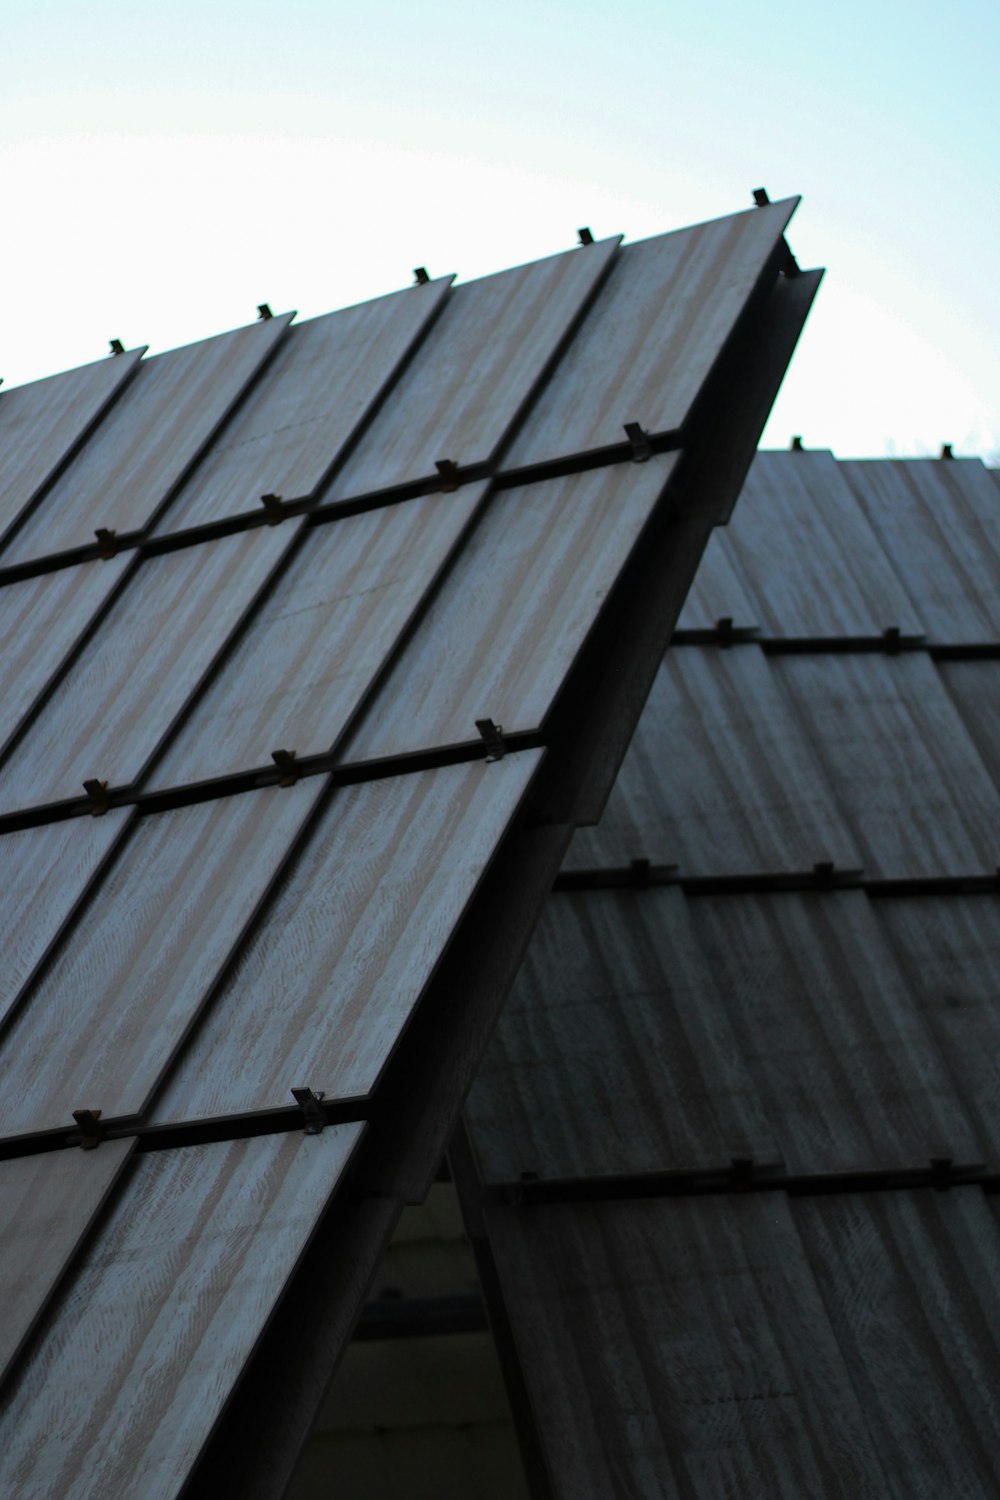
[
  {"x": 106, "y": 536},
  {"x": 90, "y": 1129},
  {"x": 586, "y": 238},
  {"x": 796, "y": 445},
  {"x": 946, "y": 450},
  {"x": 310, "y": 1106},
  {"x": 264, "y": 312},
  {"x": 117, "y": 347},
  {"x": 97, "y": 791},
  {"x": 421, "y": 275},
  {"x": 448, "y": 470},
  {"x": 639, "y": 442},
  {"x": 760, "y": 197},
  {"x": 285, "y": 762},
  {"x": 275, "y": 507},
  {"x": 492, "y": 737}
]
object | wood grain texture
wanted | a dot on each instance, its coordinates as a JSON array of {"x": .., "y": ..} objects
[
  {"x": 45, "y": 872},
  {"x": 308, "y": 404},
  {"x": 46, "y": 1205},
  {"x": 614, "y": 1053},
  {"x": 318, "y": 641},
  {"x": 812, "y": 562},
  {"x": 502, "y": 632},
  {"x": 329, "y": 979},
  {"x": 40, "y": 423},
  {"x": 148, "y": 439},
  {"x": 948, "y": 948},
  {"x": 680, "y": 1349},
  {"x": 833, "y": 1032},
  {"x": 916, "y": 797},
  {"x": 41, "y": 620},
  {"x": 909, "y": 1284},
  {"x": 720, "y": 777},
  {"x": 478, "y": 366},
  {"x": 129, "y": 1370},
  {"x": 109, "y": 713},
  {"x": 653, "y": 336},
  {"x": 718, "y": 590},
  {"x": 939, "y": 524},
  {"x": 101, "y": 1025},
  {"x": 974, "y": 688}
]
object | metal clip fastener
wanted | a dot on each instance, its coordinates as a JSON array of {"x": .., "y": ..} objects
[
  {"x": 117, "y": 347},
  {"x": 285, "y": 762},
  {"x": 448, "y": 470},
  {"x": 946, "y": 450},
  {"x": 760, "y": 197},
  {"x": 796, "y": 445},
  {"x": 741, "y": 1171},
  {"x": 264, "y": 312},
  {"x": 586, "y": 238},
  {"x": 941, "y": 1168},
  {"x": 92, "y": 1132},
  {"x": 421, "y": 275},
  {"x": 275, "y": 507},
  {"x": 639, "y": 441},
  {"x": 310, "y": 1106},
  {"x": 106, "y": 536},
  {"x": 97, "y": 791},
  {"x": 492, "y": 737}
]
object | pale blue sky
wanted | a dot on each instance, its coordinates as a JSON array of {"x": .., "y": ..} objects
[{"x": 167, "y": 167}]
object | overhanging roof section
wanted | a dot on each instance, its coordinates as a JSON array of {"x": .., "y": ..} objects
[{"x": 294, "y": 756}]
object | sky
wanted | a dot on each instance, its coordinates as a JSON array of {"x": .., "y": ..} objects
[{"x": 167, "y": 167}]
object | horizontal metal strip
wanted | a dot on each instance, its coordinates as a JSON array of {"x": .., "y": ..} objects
[
  {"x": 282, "y": 773},
  {"x": 822, "y": 877},
  {"x": 742, "y": 1176}
]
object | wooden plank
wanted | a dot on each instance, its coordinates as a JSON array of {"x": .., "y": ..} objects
[
  {"x": 41, "y": 622},
  {"x": 161, "y": 1314},
  {"x": 475, "y": 372},
  {"x": 47, "y": 1203},
  {"x": 514, "y": 611},
  {"x": 974, "y": 689},
  {"x": 322, "y": 635},
  {"x": 809, "y": 555},
  {"x": 916, "y": 797},
  {"x": 42, "y": 423},
  {"x": 45, "y": 872},
  {"x": 655, "y": 334},
  {"x": 718, "y": 591},
  {"x": 720, "y": 777},
  {"x": 307, "y": 407},
  {"x": 99, "y": 1029},
  {"x": 106, "y": 718},
  {"x": 350, "y": 941},
  {"x": 938, "y": 523},
  {"x": 680, "y": 1349},
  {"x": 139, "y": 453},
  {"x": 909, "y": 1284},
  {"x": 614, "y": 1053},
  {"x": 833, "y": 1032}
]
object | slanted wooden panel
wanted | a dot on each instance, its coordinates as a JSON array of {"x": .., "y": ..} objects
[
  {"x": 916, "y": 797},
  {"x": 718, "y": 592},
  {"x": 507, "y": 623},
  {"x": 140, "y": 451},
  {"x": 909, "y": 1283},
  {"x": 307, "y": 406},
  {"x": 654, "y": 335},
  {"x": 132, "y": 1365},
  {"x": 614, "y": 1053},
  {"x": 102, "y": 1024},
  {"x": 974, "y": 688},
  {"x": 321, "y": 636},
  {"x": 329, "y": 979},
  {"x": 110, "y": 712},
  {"x": 46, "y": 1205},
  {"x": 679, "y": 1348},
  {"x": 42, "y": 422},
  {"x": 475, "y": 372},
  {"x": 813, "y": 563},
  {"x": 721, "y": 777}
]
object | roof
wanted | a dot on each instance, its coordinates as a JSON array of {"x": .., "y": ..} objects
[
  {"x": 734, "y": 1145},
  {"x": 319, "y": 640}
]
